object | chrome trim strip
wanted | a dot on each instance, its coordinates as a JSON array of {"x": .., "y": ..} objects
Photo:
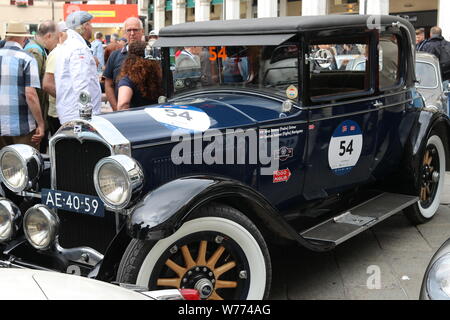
[
  {"x": 362, "y": 112},
  {"x": 356, "y": 101},
  {"x": 98, "y": 129}
]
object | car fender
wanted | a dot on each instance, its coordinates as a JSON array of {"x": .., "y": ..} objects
[
  {"x": 429, "y": 120},
  {"x": 161, "y": 212}
]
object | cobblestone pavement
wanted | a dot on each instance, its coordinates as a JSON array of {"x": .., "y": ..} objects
[{"x": 395, "y": 248}]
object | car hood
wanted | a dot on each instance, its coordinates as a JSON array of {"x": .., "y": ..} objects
[
  {"x": 25, "y": 284},
  {"x": 157, "y": 123}
]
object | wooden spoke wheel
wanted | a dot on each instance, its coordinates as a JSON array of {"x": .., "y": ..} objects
[
  {"x": 430, "y": 183},
  {"x": 430, "y": 176},
  {"x": 218, "y": 252},
  {"x": 209, "y": 262}
]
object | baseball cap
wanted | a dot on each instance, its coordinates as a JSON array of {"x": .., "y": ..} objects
[
  {"x": 62, "y": 27},
  {"x": 77, "y": 18}
]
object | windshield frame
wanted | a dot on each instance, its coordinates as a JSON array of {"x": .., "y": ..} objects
[{"x": 276, "y": 94}]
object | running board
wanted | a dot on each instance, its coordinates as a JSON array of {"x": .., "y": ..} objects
[{"x": 358, "y": 219}]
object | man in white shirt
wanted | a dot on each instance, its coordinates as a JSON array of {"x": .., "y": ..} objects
[
  {"x": 76, "y": 70},
  {"x": 48, "y": 83}
]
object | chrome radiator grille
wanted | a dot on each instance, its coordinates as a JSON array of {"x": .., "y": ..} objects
[{"x": 75, "y": 163}]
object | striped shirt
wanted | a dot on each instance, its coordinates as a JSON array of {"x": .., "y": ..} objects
[{"x": 17, "y": 71}]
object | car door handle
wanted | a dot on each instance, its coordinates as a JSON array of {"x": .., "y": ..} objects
[{"x": 378, "y": 104}]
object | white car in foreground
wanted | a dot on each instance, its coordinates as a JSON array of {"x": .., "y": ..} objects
[{"x": 28, "y": 284}]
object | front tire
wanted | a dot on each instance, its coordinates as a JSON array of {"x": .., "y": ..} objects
[
  {"x": 219, "y": 252},
  {"x": 431, "y": 182}
]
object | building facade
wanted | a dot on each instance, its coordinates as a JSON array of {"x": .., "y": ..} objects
[
  {"x": 423, "y": 14},
  {"x": 159, "y": 13}
]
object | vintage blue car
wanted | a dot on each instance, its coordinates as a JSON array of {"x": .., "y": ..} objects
[{"x": 270, "y": 142}]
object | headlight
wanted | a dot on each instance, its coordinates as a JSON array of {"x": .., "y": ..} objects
[
  {"x": 40, "y": 226},
  {"x": 438, "y": 280},
  {"x": 9, "y": 216},
  {"x": 20, "y": 167},
  {"x": 118, "y": 180}
]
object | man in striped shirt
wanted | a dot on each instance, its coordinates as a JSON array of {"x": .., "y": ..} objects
[{"x": 20, "y": 113}]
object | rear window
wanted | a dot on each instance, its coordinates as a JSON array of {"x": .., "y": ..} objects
[
  {"x": 426, "y": 74},
  {"x": 338, "y": 68}
]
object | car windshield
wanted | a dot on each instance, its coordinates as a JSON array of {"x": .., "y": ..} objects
[
  {"x": 268, "y": 68},
  {"x": 426, "y": 75}
]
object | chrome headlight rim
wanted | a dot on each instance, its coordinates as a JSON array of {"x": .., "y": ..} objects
[
  {"x": 14, "y": 219},
  {"x": 432, "y": 283},
  {"x": 52, "y": 221},
  {"x": 133, "y": 173},
  {"x": 25, "y": 154}
]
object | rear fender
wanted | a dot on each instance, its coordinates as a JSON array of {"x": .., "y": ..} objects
[{"x": 428, "y": 122}]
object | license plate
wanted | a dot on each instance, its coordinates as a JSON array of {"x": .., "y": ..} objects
[{"x": 75, "y": 202}]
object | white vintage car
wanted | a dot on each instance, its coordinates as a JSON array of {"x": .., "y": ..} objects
[{"x": 28, "y": 284}]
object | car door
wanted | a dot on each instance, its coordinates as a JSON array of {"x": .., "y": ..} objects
[
  {"x": 343, "y": 114},
  {"x": 395, "y": 108}
]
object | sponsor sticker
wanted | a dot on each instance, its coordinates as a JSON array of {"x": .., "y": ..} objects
[
  {"x": 345, "y": 147},
  {"x": 281, "y": 175},
  {"x": 283, "y": 153},
  {"x": 281, "y": 132},
  {"x": 180, "y": 117},
  {"x": 292, "y": 92}
]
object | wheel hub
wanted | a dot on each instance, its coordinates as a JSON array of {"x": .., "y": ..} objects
[
  {"x": 204, "y": 287},
  {"x": 200, "y": 278}
]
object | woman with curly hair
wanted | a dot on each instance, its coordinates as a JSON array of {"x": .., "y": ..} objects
[{"x": 139, "y": 81}]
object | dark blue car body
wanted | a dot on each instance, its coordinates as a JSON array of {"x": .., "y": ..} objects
[{"x": 310, "y": 188}]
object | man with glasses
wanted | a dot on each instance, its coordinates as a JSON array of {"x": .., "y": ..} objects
[{"x": 134, "y": 31}]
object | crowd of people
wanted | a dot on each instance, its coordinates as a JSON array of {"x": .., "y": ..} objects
[
  {"x": 437, "y": 45},
  {"x": 42, "y": 76}
]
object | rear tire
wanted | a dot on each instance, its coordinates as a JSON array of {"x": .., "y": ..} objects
[
  {"x": 219, "y": 252},
  {"x": 431, "y": 182}
]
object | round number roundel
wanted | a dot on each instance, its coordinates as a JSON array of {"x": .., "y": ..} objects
[
  {"x": 345, "y": 147},
  {"x": 180, "y": 117}
]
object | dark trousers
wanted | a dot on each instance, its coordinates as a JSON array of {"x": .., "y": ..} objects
[{"x": 53, "y": 125}]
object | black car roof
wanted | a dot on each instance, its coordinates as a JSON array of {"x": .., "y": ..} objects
[{"x": 278, "y": 25}]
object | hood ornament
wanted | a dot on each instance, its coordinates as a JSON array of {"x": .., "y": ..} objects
[{"x": 85, "y": 105}]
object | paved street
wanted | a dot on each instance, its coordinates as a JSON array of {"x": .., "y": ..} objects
[{"x": 399, "y": 250}]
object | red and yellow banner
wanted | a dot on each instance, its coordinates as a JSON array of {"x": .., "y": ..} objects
[{"x": 104, "y": 13}]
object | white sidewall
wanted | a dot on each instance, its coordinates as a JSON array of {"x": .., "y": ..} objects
[
  {"x": 230, "y": 228},
  {"x": 431, "y": 210}
]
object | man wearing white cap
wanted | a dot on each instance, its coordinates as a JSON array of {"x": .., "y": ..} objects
[
  {"x": 76, "y": 69},
  {"x": 19, "y": 102},
  {"x": 49, "y": 79}
]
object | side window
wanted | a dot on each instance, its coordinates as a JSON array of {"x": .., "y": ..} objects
[
  {"x": 338, "y": 68},
  {"x": 389, "y": 55}
]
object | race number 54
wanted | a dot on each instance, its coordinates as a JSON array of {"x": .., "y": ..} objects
[
  {"x": 214, "y": 55},
  {"x": 346, "y": 148}
]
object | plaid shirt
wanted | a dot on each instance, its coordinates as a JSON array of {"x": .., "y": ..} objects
[{"x": 17, "y": 71}]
